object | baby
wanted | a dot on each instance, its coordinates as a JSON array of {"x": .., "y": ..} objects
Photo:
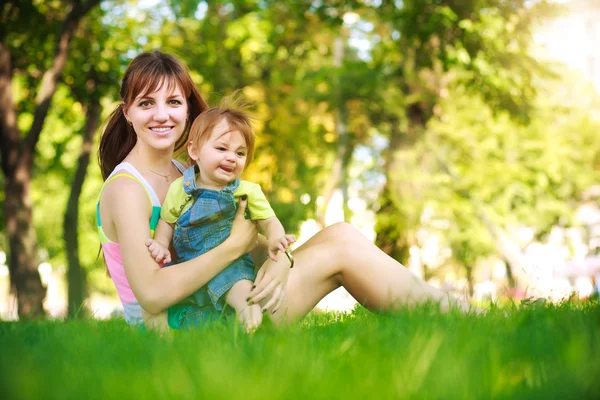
[{"x": 198, "y": 210}]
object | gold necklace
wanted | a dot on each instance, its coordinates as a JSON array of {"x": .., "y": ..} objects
[{"x": 164, "y": 176}]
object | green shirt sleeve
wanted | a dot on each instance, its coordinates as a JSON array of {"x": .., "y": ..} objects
[
  {"x": 258, "y": 205},
  {"x": 174, "y": 203}
]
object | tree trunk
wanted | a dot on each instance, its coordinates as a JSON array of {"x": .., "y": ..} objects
[
  {"x": 339, "y": 170},
  {"x": 23, "y": 262},
  {"x": 17, "y": 159},
  {"x": 332, "y": 183},
  {"x": 24, "y": 278},
  {"x": 338, "y": 178},
  {"x": 389, "y": 238},
  {"x": 512, "y": 281},
  {"x": 394, "y": 229},
  {"x": 392, "y": 237},
  {"x": 76, "y": 276},
  {"x": 469, "y": 271}
]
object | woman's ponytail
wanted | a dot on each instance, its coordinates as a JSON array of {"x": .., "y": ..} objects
[{"x": 116, "y": 142}]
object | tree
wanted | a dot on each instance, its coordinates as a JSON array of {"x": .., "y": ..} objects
[
  {"x": 17, "y": 151},
  {"x": 425, "y": 47},
  {"x": 280, "y": 55},
  {"x": 489, "y": 177}
]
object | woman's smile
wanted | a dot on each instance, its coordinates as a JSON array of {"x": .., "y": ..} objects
[{"x": 161, "y": 130}]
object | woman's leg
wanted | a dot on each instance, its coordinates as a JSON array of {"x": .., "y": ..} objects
[{"x": 339, "y": 255}]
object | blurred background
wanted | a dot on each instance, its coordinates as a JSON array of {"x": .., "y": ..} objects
[{"x": 461, "y": 136}]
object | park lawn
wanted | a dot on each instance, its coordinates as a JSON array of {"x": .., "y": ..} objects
[{"x": 537, "y": 351}]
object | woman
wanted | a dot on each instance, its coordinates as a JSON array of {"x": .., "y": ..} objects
[{"x": 159, "y": 101}]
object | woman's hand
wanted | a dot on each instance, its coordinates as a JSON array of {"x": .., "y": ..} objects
[
  {"x": 244, "y": 232},
  {"x": 271, "y": 280}
]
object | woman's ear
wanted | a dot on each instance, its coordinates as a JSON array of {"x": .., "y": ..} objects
[
  {"x": 124, "y": 109},
  {"x": 191, "y": 149}
]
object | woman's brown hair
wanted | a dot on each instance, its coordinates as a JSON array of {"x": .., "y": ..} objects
[{"x": 146, "y": 73}]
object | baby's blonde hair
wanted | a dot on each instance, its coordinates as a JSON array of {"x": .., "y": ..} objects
[{"x": 233, "y": 110}]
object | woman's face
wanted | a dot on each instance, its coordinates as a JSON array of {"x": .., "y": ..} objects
[{"x": 159, "y": 118}]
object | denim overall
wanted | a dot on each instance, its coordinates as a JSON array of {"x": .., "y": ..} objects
[{"x": 202, "y": 227}]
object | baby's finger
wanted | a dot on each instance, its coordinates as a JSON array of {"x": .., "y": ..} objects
[
  {"x": 149, "y": 242},
  {"x": 290, "y": 238}
]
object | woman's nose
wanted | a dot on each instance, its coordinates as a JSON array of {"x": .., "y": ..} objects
[{"x": 161, "y": 114}]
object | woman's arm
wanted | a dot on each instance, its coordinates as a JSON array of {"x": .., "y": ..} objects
[{"x": 158, "y": 288}]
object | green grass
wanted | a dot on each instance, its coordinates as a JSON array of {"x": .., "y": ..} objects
[{"x": 537, "y": 351}]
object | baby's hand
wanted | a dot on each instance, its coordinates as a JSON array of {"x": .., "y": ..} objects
[
  {"x": 281, "y": 243},
  {"x": 158, "y": 251}
]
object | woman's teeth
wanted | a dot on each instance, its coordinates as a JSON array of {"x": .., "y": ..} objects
[{"x": 161, "y": 130}]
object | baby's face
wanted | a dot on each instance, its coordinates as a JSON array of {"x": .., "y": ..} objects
[{"x": 222, "y": 157}]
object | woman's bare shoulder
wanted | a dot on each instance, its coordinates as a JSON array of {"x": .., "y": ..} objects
[{"x": 125, "y": 191}]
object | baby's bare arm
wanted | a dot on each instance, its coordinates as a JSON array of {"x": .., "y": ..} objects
[
  {"x": 276, "y": 237},
  {"x": 159, "y": 246},
  {"x": 163, "y": 233},
  {"x": 271, "y": 227}
]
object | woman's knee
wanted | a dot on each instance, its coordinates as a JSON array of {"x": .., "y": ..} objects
[
  {"x": 347, "y": 231},
  {"x": 345, "y": 239}
]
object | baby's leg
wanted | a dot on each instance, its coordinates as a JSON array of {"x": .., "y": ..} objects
[{"x": 250, "y": 316}]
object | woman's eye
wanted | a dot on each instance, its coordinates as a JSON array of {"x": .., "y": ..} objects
[
  {"x": 145, "y": 104},
  {"x": 175, "y": 102}
]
